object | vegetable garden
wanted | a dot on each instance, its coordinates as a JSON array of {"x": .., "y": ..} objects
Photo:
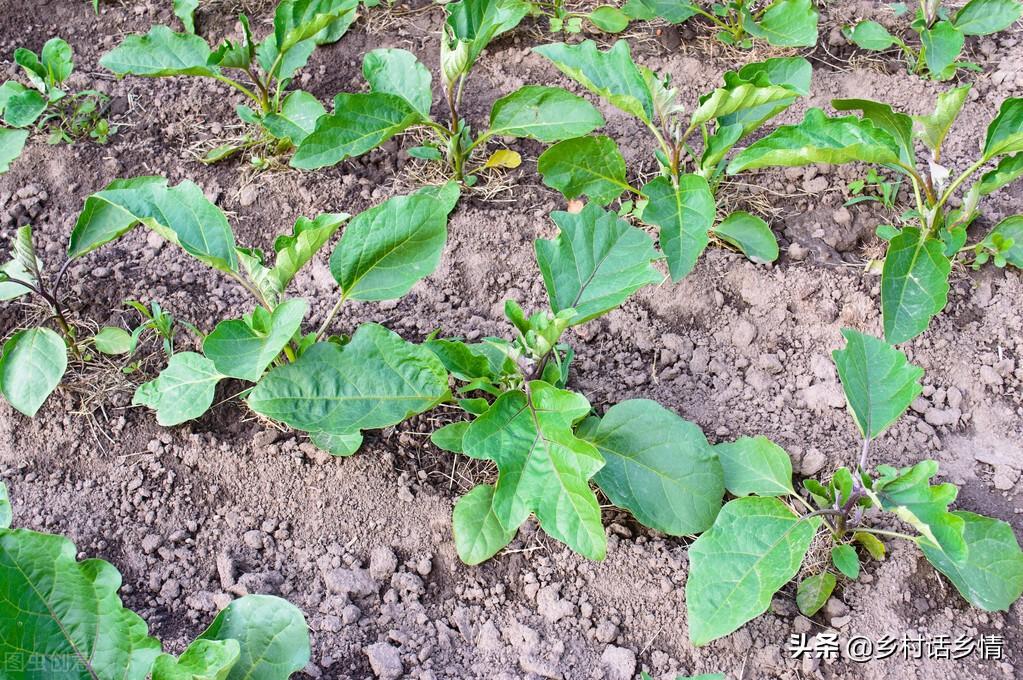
[{"x": 498, "y": 338}]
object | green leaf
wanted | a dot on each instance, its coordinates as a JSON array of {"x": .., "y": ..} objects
[
  {"x": 984, "y": 17},
  {"x": 1005, "y": 133},
  {"x": 183, "y": 391},
  {"x": 933, "y": 129},
  {"x": 590, "y": 166},
  {"x": 57, "y": 60},
  {"x": 244, "y": 348},
  {"x": 20, "y": 105},
  {"x": 758, "y": 92},
  {"x": 398, "y": 72},
  {"x": 385, "y": 250},
  {"x": 814, "y": 591},
  {"x": 870, "y": 35},
  {"x": 297, "y": 119},
  {"x": 543, "y": 468},
  {"x": 914, "y": 284},
  {"x": 786, "y": 23},
  {"x": 449, "y": 438},
  {"x": 112, "y": 340},
  {"x": 230, "y": 55},
  {"x": 609, "y": 19},
  {"x": 1009, "y": 169},
  {"x": 685, "y": 215},
  {"x": 750, "y": 234},
  {"x": 31, "y": 366},
  {"x": 272, "y": 636},
  {"x": 657, "y": 466},
  {"x": 597, "y": 261},
  {"x": 547, "y": 114},
  {"x": 846, "y": 560},
  {"x": 611, "y": 74},
  {"x": 161, "y": 52},
  {"x": 12, "y": 142},
  {"x": 488, "y": 359},
  {"x": 5, "y": 507},
  {"x": 1009, "y": 228},
  {"x": 878, "y": 380},
  {"x": 478, "y": 530},
  {"x": 340, "y": 445},
  {"x": 755, "y": 547},
  {"x": 33, "y": 68},
  {"x": 910, "y": 496},
  {"x": 898, "y": 125},
  {"x": 755, "y": 465},
  {"x": 180, "y": 214},
  {"x": 478, "y": 22},
  {"x": 871, "y": 543},
  {"x": 990, "y": 576},
  {"x": 59, "y": 613},
  {"x": 360, "y": 122},
  {"x": 185, "y": 11},
  {"x": 375, "y": 381},
  {"x": 296, "y": 21},
  {"x": 942, "y": 44},
  {"x": 672, "y": 11},
  {"x": 23, "y": 266},
  {"x": 202, "y": 660},
  {"x": 819, "y": 139}
]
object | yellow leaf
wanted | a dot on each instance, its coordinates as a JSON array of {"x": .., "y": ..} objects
[{"x": 503, "y": 158}]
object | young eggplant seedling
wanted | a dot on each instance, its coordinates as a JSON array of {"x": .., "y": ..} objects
[
  {"x": 760, "y": 539},
  {"x": 780, "y": 23},
  {"x": 915, "y": 274},
  {"x": 401, "y": 97}
]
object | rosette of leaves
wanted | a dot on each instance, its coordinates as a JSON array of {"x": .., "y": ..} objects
[
  {"x": 332, "y": 387},
  {"x": 781, "y": 23},
  {"x": 933, "y": 235},
  {"x": 760, "y": 539},
  {"x": 261, "y": 71},
  {"x": 680, "y": 201},
  {"x": 400, "y": 97},
  {"x": 44, "y": 104},
  {"x": 60, "y": 613},
  {"x": 941, "y": 34},
  {"x": 549, "y": 448}
]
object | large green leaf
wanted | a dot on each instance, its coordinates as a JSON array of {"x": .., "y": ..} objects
[
  {"x": 898, "y": 125},
  {"x": 1005, "y": 133},
  {"x": 543, "y": 468},
  {"x": 908, "y": 494},
  {"x": 20, "y": 106},
  {"x": 297, "y": 119},
  {"x": 942, "y": 43},
  {"x": 932, "y": 129},
  {"x": 360, "y": 122},
  {"x": 547, "y": 114},
  {"x": 31, "y": 366},
  {"x": 736, "y": 96},
  {"x": 59, "y": 613},
  {"x": 596, "y": 262},
  {"x": 386, "y": 249},
  {"x": 161, "y": 52},
  {"x": 398, "y": 72},
  {"x": 879, "y": 381},
  {"x": 914, "y": 284},
  {"x": 1009, "y": 228},
  {"x": 754, "y": 548},
  {"x": 983, "y": 17},
  {"x": 478, "y": 22},
  {"x": 786, "y": 23},
  {"x": 611, "y": 74},
  {"x": 181, "y": 214},
  {"x": 272, "y": 636},
  {"x": 298, "y": 20},
  {"x": 657, "y": 466},
  {"x": 684, "y": 213},
  {"x": 183, "y": 391},
  {"x": 755, "y": 465},
  {"x": 590, "y": 166},
  {"x": 243, "y": 348},
  {"x": 376, "y": 380},
  {"x": 990, "y": 576},
  {"x": 479, "y": 531},
  {"x": 12, "y": 142},
  {"x": 202, "y": 660},
  {"x": 750, "y": 234}
]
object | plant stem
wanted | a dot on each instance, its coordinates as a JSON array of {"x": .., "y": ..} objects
[
  {"x": 885, "y": 532},
  {"x": 330, "y": 317},
  {"x": 959, "y": 180},
  {"x": 241, "y": 88}
]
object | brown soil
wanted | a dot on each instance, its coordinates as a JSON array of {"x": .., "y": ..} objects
[{"x": 196, "y": 514}]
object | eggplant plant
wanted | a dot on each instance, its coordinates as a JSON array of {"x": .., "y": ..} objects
[
  {"x": 261, "y": 71},
  {"x": 63, "y": 618},
  {"x": 941, "y": 35},
  {"x": 680, "y": 201},
  {"x": 759, "y": 541},
  {"x": 546, "y": 441},
  {"x": 781, "y": 23},
  {"x": 561, "y": 18},
  {"x": 915, "y": 274},
  {"x": 401, "y": 97},
  {"x": 331, "y": 387},
  {"x": 44, "y": 104}
]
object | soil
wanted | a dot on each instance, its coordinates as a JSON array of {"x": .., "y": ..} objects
[{"x": 195, "y": 515}]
